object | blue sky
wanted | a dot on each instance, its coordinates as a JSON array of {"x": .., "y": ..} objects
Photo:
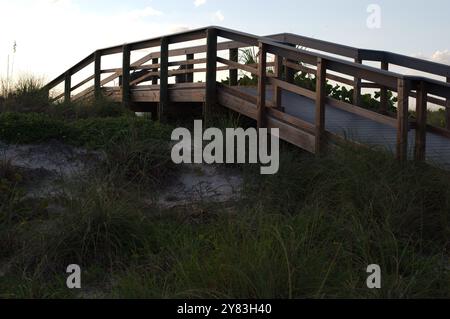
[{"x": 54, "y": 34}]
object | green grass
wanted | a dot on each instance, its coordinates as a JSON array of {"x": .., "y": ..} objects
[{"x": 308, "y": 232}]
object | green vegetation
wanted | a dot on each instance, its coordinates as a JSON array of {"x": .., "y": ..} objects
[{"x": 309, "y": 231}]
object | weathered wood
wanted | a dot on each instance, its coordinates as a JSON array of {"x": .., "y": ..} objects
[
  {"x": 292, "y": 88},
  {"x": 277, "y": 92},
  {"x": 233, "y": 75},
  {"x": 402, "y": 119},
  {"x": 320, "y": 105},
  {"x": 236, "y": 103},
  {"x": 236, "y": 65},
  {"x": 155, "y": 78},
  {"x": 421, "y": 120},
  {"x": 126, "y": 54},
  {"x": 293, "y": 135},
  {"x": 97, "y": 73},
  {"x": 291, "y": 120},
  {"x": 357, "y": 86},
  {"x": 447, "y": 110},
  {"x": 261, "y": 96},
  {"x": 164, "y": 79},
  {"x": 384, "y": 91},
  {"x": 190, "y": 76},
  {"x": 67, "y": 86},
  {"x": 211, "y": 73}
]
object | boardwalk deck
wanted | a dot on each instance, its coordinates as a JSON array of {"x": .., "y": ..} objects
[
  {"x": 360, "y": 129},
  {"x": 289, "y": 107}
]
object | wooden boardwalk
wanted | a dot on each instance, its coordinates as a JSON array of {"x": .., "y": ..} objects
[
  {"x": 308, "y": 119},
  {"x": 362, "y": 130}
]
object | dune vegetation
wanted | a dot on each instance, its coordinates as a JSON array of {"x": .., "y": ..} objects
[{"x": 309, "y": 231}]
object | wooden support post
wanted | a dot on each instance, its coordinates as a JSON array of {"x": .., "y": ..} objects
[
  {"x": 234, "y": 56},
  {"x": 261, "y": 98},
  {"x": 67, "y": 86},
  {"x": 278, "y": 70},
  {"x": 384, "y": 92},
  {"x": 321, "y": 79},
  {"x": 190, "y": 76},
  {"x": 421, "y": 129},
  {"x": 402, "y": 119},
  {"x": 155, "y": 78},
  {"x": 447, "y": 110},
  {"x": 126, "y": 94},
  {"x": 289, "y": 73},
  {"x": 211, "y": 73},
  {"x": 97, "y": 73},
  {"x": 164, "y": 79},
  {"x": 357, "y": 87}
]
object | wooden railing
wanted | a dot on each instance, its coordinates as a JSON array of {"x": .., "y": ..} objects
[{"x": 292, "y": 59}]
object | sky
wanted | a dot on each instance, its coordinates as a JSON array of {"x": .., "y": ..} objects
[{"x": 52, "y": 35}]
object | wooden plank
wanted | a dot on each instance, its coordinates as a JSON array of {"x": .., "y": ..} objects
[
  {"x": 293, "y": 135},
  {"x": 261, "y": 95},
  {"x": 278, "y": 72},
  {"x": 236, "y": 104},
  {"x": 384, "y": 91},
  {"x": 211, "y": 73},
  {"x": 447, "y": 110},
  {"x": 67, "y": 87},
  {"x": 402, "y": 120},
  {"x": 320, "y": 106},
  {"x": 308, "y": 70},
  {"x": 155, "y": 78},
  {"x": 97, "y": 73},
  {"x": 238, "y": 93},
  {"x": 421, "y": 128},
  {"x": 321, "y": 45},
  {"x": 236, "y": 65},
  {"x": 291, "y": 120},
  {"x": 292, "y": 88},
  {"x": 357, "y": 86},
  {"x": 126, "y": 54},
  {"x": 164, "y": 79},
  {"x": 83, "y": 82},
  {"x": 233, "y": 75},
  {"x": 380, "y": 118},
  {"x": 189, "y": 76}
]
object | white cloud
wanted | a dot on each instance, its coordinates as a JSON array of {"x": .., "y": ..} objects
[
  {"x": 199, "y": 3},
  {"x": 53, "y": 35},
  {"x": 438, "y": 56},
  {"x": 218, "y": 16}
]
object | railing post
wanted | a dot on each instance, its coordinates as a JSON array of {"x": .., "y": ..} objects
[
  {"x": 189, "y": 76},
  {"x": 278, "y": 70},
  {"x": 155, "y": 78},
  {"x": 357, "y": 86},
  {"x": 234, "y": 56},
  {"x": 320, "y": 105},
  {"x": 126, "y": 56},
  {"x": 67, "y": 86},
  {"x": 402, "y": 119},
  {"x": 261, "y": 98},
  {"x": 97, "y": 73},
  {"x": 211, "y": 73},
  {"x": 421, "y": 118},
  {"x": 384, "y": 92},
  {"x": 164, "y": 79},
  {"x": 447, "y": 110},
  {"x": 289, "y": 72}
]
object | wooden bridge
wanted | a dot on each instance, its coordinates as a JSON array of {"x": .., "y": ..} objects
[{"x": 306, "y": 118}]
